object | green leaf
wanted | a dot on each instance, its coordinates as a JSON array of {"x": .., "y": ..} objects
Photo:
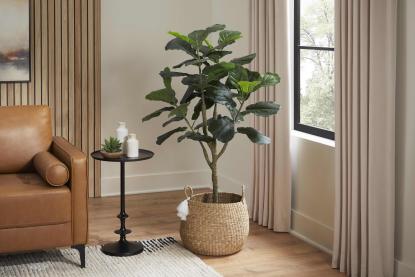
[
  {"x": 244, "y": 60},
  {"x": 254, "y": 76},
  {"x": 197, "y": 81},
  {"x": 179, "y": 44},
  {"x": 198, "y": 108},
  {"x": 166, "y": 73},
  {"x": 215, "y": 28},
  {"x": 164, "y": 95},
  {"x": 184, "y": 63},
  {"x": 246, "y": 87},
  {"x": 262, "y": 109},
  {"x": 254, "y": 135},
  {"x": 181, "y": 36},
  {"x": 196, "y": 62},
  {"x": 218, "y": 71},
  {"x": 198, "y": 37},
  {"x": 216, "y": 55},
  {"x": 208, "y": 43},
  {"x": 195, "y": 136},
  {"x": 163, "y": 137},
  {"x": 236, "y": 75},
  {"x": 228, "y": 37},
  {"x": 188, "y": 95},
  {"x": 270, "y": 79},
  {"x": 205, "y": 50},
  {"x": 222, "y": 128},
  {"x": 157, "y": 113},
  {"x": 180, "y": 111},
  {"x": 173, "y": 119},
  {"x": 220, "y": 94},
  {"x": 244, "y": 80}
]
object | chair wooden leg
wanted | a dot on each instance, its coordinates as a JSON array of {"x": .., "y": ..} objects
[{"x": 81, "y": 250}]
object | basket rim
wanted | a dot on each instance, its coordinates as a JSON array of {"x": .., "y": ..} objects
[{"x": 210, "y": 203}]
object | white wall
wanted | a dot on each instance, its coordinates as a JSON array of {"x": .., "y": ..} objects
[
  {"x": 405, "y": 141},
  {"x": 313, "y": 191},
  {"x": 134, "y": 34}
]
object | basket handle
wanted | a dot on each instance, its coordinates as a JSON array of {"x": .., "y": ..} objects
[
  {"x": 188, "y": 191},
  {"x": 243, "y": 193}
]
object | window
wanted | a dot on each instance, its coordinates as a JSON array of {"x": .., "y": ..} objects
[{"x": 314, "y": 67}]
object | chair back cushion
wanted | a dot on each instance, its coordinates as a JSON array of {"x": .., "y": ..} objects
[{"x": 24, "y": 132}]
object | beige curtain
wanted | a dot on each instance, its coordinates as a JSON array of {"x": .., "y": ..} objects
[
  {"x": 365, "y": 130},
  {"x": 271, "y": 205}
]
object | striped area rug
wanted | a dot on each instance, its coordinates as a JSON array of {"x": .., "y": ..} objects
[{"x": 161, "y": 257}]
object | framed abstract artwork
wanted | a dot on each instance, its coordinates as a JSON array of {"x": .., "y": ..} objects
[{"x": 14, "y": 41}]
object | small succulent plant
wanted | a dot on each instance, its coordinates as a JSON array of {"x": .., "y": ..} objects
[{"x": 111, "y": 145}]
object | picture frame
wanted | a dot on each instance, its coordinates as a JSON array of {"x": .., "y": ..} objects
[{"x": 15, "y": 62}]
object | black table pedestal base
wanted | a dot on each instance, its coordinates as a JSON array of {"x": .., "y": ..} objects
[{"x": 122, "y": 248}]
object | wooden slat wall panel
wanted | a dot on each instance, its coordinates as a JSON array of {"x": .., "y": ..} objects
[
  {"x": 31, "y": 85},
  {"x": 65, "y": 73},
  {"x": 3, "y": 94},
  {"x": 90, "y": 84},
  {"x": 58, "y": 67},
  {"x": 71, "y": 68},
  {"x": 97, "y": 89},
  {"x": 65, "y": 69}
]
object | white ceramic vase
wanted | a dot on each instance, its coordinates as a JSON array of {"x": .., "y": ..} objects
[
  {"x": 122, "y": 134},
  {"x": 132, "y": 146}
]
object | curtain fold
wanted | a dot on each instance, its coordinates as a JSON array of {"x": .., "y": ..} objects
[
  {"x": 271, "y": 205},
  {"x": 365, "y": 53}
]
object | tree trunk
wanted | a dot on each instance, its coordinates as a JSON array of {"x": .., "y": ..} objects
[
  {"x": 214, "y": 172},
  {"x": 215, "y": 182}
]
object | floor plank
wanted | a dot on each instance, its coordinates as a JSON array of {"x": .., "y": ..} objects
[{"x": 266, "y": 253}]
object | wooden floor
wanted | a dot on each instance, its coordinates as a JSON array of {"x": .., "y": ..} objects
[{"x": 266, "y": 253}]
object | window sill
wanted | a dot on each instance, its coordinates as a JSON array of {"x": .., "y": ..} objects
[{"x": 313, "y": 138}]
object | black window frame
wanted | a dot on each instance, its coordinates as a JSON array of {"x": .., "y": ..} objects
[{"x": 297, "y": 85}]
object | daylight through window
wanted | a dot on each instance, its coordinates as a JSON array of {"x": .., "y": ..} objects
[{"x": 314, "y": 67}]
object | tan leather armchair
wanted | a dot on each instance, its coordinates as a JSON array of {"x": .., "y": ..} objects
[{"x": 33, "y": 214}]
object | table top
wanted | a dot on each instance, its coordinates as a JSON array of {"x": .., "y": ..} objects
[{"x": 143, "y": 155}]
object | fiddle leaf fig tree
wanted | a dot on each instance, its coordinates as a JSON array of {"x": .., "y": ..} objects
[{"x": 216, "y": 83}]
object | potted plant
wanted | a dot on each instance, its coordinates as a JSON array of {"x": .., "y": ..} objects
[
  {"x": 112, "y": 148},
  {"x": 218, "y": 94}
]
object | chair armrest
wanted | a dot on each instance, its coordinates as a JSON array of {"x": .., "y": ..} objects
[{"x": 76, "y": 161}]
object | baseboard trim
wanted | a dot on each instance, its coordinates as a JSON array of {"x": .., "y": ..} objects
[
  {"x": 309, "y": 218},
  {"x": 229, "y": 184},
  {"x": 403, "y": 270},
  {"x": 312, "y": 242},
  {"x": 312, "y": 231},
  {"x": 142, "y": 191},
  {"x": 166, "y": 181},
  {"x": 156, "y": 182}
]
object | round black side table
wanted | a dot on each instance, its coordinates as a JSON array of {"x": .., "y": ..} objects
[{"x": 123, "y": 247}]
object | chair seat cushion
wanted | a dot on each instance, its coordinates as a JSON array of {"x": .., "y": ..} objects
[{"x": 27, "y": 200}]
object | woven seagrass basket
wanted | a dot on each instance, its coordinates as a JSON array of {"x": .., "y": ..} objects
[{"x": 215, "y": 229}]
